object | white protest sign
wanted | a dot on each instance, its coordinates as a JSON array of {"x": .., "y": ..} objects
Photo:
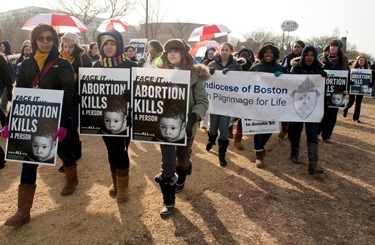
[
  {"x": 34, "y": 119},
  {"x": 160, "y": 102},
  {"x": 262, "y": 96}
]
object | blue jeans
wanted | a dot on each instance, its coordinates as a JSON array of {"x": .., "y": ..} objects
[
  {"x": 312, "y": 130},
  {"x": 328, "y": 122},
  {"x": 218, "y": 122},
  {"x": 173, "y": 156},
  {"x": 260, "y": 140}
]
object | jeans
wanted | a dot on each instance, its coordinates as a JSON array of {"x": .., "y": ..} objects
[
  {"x": 357, "y": 108},
  {"x": 28, "y": 174},
  {"x": 218, "y": 122},
  {"x": 328, "y": 122},
  {"x": 312, "y": 130},
  {"x": 260, "y": 140},
  {"x": 117, "y": 148},
  {"x": 175, "y": 156}
]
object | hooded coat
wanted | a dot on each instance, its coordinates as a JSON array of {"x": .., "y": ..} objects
[{"x": 299, "y": 66}]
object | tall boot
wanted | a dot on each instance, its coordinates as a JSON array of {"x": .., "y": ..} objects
[
  {"x": 294, "y": 154},
  {"x": 25, "y": 202},
  {"x": 180, "y": 184},
  {"x": 169, "y": 196},
  {"x": 122, "y": 184},
  {"x": 71, "y": 180},
  {"x": 230, "y": 132},
  {"x": 259, "y": 162},
  {"x": 223, "y": 145},
  {"x": 112, "y": 191},
  {"x": 237, "y": 142},
  {"x": 122, "y": 188},
  {"x": 312, "y": 149},
  {"x": 211, "y": 141}
]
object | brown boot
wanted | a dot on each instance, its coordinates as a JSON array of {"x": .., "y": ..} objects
[
  {"x": 122, "y": 188},
  {"x": 113, "y": 189},
  {"x": 25, "y": 202},
  {"x": 71, "y": 180},
  {"x": 259, "y": 162},
  {"x": 237, "y": 142}
]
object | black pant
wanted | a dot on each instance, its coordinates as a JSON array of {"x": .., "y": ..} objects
[
  {"x": 28, "y": 174},
  {"x": 328, "y": 122},
  {"x": 117, "y": 148},
  {"x": 357, "y": 108}
]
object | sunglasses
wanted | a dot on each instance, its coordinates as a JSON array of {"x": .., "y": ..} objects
[{"x": 48, "y": 38}]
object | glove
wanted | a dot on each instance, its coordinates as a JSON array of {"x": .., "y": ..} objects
[
  {"x": 225, "y": 70},
  {"x": 129, "y": 118},
  {"x": 324, "y": 74},
  {"x": 278, "y": 73},
  {"x": 61, "y": 133},
  {"x": 5, "y": 132},
  {"x": 212, "y": 71},
  {"x": 192, "y": 119}
]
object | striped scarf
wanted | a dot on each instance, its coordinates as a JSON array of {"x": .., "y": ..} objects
[
  {"x": 114, "y": 61},
  {"x": 333, "y": 59}
]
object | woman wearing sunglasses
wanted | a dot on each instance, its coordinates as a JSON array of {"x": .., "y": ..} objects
[{"x": 45, "y": 69}]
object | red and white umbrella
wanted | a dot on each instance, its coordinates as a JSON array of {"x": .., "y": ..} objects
[
  {"x": 199, "y": 48},
  {"x": 61, "y": 22},
  {"x": 112, "y": 24},
  {"x": 208, "y": 32}
]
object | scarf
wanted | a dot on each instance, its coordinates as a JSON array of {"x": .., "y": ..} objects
[
  {"x": 333, "y": 58},
  {"x": 40, "y": 58},
  {"x": 114, "y": 61},
  {"x": 68, "y": 57}
]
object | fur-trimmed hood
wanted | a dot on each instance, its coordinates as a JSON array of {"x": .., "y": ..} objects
[{"x": 200, "y": 72}]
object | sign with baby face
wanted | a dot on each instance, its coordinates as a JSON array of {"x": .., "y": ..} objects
[
  {"x": 34, "y": 120},
  {"x": 103, "y": 109},
  {"x": 360, "y": 80},
  {"x": 336, "y": 87},
  {"x": 160, "y": 102}
]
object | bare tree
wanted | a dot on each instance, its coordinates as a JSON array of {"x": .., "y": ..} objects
[
  {"x": 10, "y": 30},
  {"x": 88, "y": 10},
  {"x": 155, "y": 17},
  {"x": 255, "y": 39}
]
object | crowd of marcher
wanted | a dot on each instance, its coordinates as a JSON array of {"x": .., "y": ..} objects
[{"x": 47, "y": 49}]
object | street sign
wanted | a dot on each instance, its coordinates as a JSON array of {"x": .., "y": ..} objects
[{"x": 289, "y": 25}]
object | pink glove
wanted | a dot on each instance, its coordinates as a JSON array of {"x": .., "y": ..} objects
[
  {"x": 5, "y": 132},
  {"x": 61, "y": 133}
]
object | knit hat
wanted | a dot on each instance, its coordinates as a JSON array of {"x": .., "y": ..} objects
[
  {"x": 73, "y": 37},
  {"x": 104, "y": 39},
  {"x": 176, "y": 44},
  {"x": 26, "y": 43},
  {"x": 334, "y": 42}
]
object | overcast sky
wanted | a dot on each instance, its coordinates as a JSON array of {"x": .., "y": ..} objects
[{"x": 315, "y": 18}]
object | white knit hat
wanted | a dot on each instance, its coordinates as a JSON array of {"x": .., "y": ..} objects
[{"x": 73, "y": 37}]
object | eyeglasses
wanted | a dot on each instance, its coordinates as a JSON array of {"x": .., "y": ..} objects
[{"x": 48, "y": 38}]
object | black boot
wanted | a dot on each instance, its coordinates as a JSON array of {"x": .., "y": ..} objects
[
  {"x": 168, "y": 189},
  {"x": 294, "y": 155},
  {"x": 211, "y": 141},
  {"x": 312, "y": 149},
  {"x": 223, "y": 145},
  {"x": 180, "y": 184}
]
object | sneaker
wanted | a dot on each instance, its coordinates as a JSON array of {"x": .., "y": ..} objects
[
  {"x": 328, "y": 141},
  {"x": 357, "y": 121}
]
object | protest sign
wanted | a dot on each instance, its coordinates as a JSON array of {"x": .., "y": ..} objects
[
  {"x": 34, "y": 119},
  {"x": 103, "y": 109},
  {"x": 360, "y": 80},
  {"x": 336, "y": 84},
  {"x": 140, "y": 45},
  {"x": 160, "y": 102},
  {"x": 262, "y": 96},
  {"x": 250, "y": 126}
]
